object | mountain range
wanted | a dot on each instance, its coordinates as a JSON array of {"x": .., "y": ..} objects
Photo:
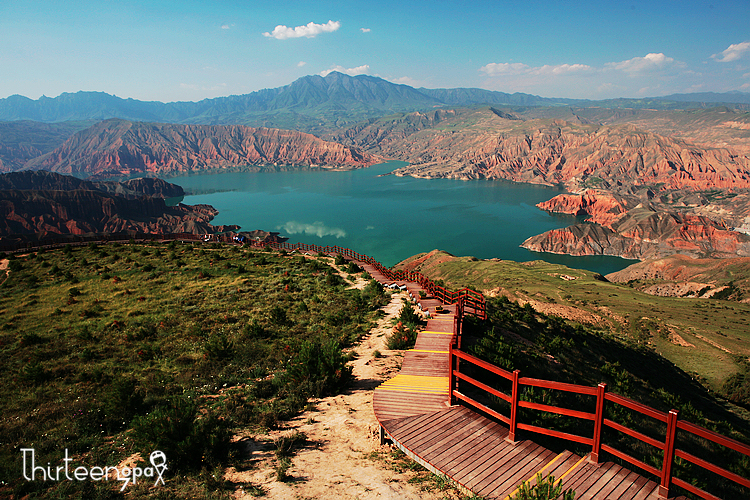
[
  {"x": 685, "y": 166},
  {"x": 314, "y": 104}
]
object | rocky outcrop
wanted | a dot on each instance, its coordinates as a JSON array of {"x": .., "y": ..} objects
[
  {"x": 50, "y": 181},
  {"x": 45, "y": 203},
  {"x": 645, "y": 233},
  {"x": 600, "y": 207},
  {"x": 118, "y": 147},
  {"x": 79, "y": 212}
]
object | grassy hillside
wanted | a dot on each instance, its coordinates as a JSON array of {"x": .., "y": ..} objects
[
  {"x": 113, "y": 350},
  {"x": 707, "y": 338}
]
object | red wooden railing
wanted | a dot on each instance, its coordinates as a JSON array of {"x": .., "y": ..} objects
[
  {"x": 667, "y": 446},
  {"x": 470, "y": 301}
]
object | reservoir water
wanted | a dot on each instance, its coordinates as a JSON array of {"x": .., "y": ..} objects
[{"x": 387, "y": 217}]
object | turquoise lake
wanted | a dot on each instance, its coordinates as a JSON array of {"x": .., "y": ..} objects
[{"x": 387, "y": 217}]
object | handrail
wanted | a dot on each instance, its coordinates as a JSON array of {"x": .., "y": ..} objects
[
  {"x": 667, "y": 446},
  {"x": 466, "y": 298}
]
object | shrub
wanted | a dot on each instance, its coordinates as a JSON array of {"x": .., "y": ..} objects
[
  {"x": 353, "y": 268},
  {"x": 187, "y": 437},
  {"x": 408, "y": 315},
  {"x": 402, "y": 337},
  {"x": 319, "y": 368},
  {"x": 278, "y": 316},
  {"x": 340, "y": 260},
  {"x": 219, "y": 348},
  {"x": 34, "y": 372},
  {"x": 544, "y": 489}
]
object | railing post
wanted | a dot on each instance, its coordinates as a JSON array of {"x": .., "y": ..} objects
[
  {"x": 598, "y": 423},
  {"x": 669, "y": 445},
  {"x": 514, "y": 407},
  {"x": 451, "y": 377}
]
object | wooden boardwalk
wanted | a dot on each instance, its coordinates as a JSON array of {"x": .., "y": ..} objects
[{"x": 414, "y": 413}]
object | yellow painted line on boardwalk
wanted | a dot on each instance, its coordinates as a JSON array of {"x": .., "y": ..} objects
[
  {"x": 436, "y": 392},
  {"x": 440, "y": 319},
  {"x": 540, "y": 471},
  {"x": 570, "y": 470},
  {"x": 416, "y": 383},
  {"x": 438, "y": 333},
  {"x": 426, "y": 350}
]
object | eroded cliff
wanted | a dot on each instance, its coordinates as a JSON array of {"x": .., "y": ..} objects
[
  {"x": 118, "y": 147},
  {"x": 45, "y": 203}
]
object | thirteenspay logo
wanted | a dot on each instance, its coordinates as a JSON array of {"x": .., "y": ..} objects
[{"x": 128, "y": 475}]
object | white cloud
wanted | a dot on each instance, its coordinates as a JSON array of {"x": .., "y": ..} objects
[
  {"x": 499, "y": 69},
  {"x": 226, "y": 26},
  {"x": 733, "y": 52},
  {"x": 494, "y": 69},
  {"x": 650, "y": 62},
  {"x": 745, "y": 86},
  {"x": 359, "y": 70},
  {"x": 406, "y": 80},
  {"x": 364, "y": 30},
  {"x": 561, "y": 69},
  {"x": 309, "y": 30},
  {"x": 315, "y": 229},
  {"x": 301, "y": 63}
]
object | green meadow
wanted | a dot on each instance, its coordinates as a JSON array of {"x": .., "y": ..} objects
[{"x": 115, "y": 349}]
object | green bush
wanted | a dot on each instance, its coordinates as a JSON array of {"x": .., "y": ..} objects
[
  {"x": 188, "y": 438},
  {"x": 408, "y": 315},
  {"x": 340, "y": 260},
  {"x": 353, "y": 268},
  {"x": 403, "y": 337},
  {"x": 544, "y": 489},
  {"x": 319, "y": 368}
]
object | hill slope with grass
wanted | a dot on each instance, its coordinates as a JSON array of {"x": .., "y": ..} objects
[
  {"x": 115, "y": 350},
  {"x": 707, "y": 338}
]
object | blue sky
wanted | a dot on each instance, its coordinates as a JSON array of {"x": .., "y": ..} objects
[{"x": 191, "y": 50}]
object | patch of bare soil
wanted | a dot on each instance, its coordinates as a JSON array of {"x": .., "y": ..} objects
[
  {"x": 342, "y": 457},
  {"x": 677, "y": 339},
  {"x": 4, "y": 267}
]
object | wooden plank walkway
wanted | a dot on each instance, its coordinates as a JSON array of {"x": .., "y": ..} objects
[{"x": 414, "y": 411}]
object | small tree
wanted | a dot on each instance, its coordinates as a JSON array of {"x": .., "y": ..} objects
[{"x": 544, "y": 489}]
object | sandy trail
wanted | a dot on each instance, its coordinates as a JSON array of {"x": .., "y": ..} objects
[{"x": 341, "y": 433}]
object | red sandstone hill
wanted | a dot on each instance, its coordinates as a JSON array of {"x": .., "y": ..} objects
[
  {"x": 644, "y": 233},
  {"x": 601, "y": 207},
  {"x": 120, "y": 147},
  {"x": 474, "y": 144}
]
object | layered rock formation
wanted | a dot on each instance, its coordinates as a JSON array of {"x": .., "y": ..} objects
[
  {"x": 474, "y": 144},
  {"x": 65, "y": 205},
  {"x": 118, "y": 147},
  {"x": 644, "y": 233},
  {"x": 133, "y": 188},
  {"x": 600, "y": 207}
]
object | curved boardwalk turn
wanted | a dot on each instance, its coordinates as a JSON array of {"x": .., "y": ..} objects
[{"x": 414, "y": 412}]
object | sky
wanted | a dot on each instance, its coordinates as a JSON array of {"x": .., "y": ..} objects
[{"x": 191, "y": 50}]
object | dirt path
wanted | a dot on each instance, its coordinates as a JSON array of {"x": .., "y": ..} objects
[{"x": 339, "y": 460}]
